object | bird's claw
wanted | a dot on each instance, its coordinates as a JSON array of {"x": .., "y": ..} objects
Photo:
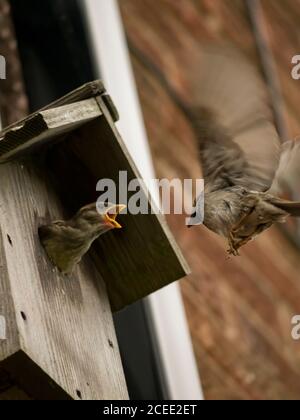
[{"x": 233, "y": 251}]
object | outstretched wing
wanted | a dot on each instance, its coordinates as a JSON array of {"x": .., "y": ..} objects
[
  {"x": 230, "y": 112},
  {"x": 287, "y": 177}
]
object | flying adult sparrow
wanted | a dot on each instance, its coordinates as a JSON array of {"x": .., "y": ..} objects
[
  {"x": 241, "y": 154},
  {"x": 67, "y": 241}
]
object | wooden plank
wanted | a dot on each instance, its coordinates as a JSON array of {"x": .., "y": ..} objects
[
  {"x": 87, "y": 91},
  {"x": 43, "y": 126},
  {"x": 63, "y": 324},
  {"x": 7, "y": 309}
]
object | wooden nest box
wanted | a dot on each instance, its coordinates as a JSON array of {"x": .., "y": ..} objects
[{"x": 59, "y": 339}]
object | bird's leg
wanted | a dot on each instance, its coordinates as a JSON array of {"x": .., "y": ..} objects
[
  {"x": 235, "y": 244},
  {"x": 233, "y": 249},
  {"x": 244, "y": 241}
]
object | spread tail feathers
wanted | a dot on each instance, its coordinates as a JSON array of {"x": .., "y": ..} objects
[{"x": 291, "y": 207}]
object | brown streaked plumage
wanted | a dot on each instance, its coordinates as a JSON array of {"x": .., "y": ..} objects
[{"x": 67, "y": 241}]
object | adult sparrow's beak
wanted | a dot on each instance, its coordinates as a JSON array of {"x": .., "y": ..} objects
[{"x": 111, "y": 214}]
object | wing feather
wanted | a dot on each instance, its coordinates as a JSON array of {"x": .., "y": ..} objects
[
  {"x": 291, "y": 207},
  {"x": 230, "y": 112}
]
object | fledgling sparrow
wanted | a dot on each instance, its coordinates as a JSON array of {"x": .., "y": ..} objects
[{"x": 67, "y": 241}]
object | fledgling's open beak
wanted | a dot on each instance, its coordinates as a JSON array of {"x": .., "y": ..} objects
[{"x": 112, "y": 213}]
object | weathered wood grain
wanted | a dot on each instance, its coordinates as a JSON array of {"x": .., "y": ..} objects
[
  {"x": 86, "y": 91},
  {"x": 44, "y": 126},
  {"x": 60, "y": 324}
]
